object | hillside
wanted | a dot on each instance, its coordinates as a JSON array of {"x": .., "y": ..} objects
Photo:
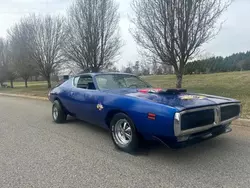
[{"x": 231, "y": 84}]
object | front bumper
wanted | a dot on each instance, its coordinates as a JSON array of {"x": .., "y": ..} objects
[
  {"x": 216, "y": 122},
  {"x": 180, "y": 142}
]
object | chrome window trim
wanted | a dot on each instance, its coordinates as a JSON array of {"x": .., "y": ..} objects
[
  {"x": 73, "y": 81},
  {"x": 217, "y": 122}
]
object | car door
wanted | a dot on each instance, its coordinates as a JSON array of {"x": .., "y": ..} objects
[{"x": 85, "y": 99}]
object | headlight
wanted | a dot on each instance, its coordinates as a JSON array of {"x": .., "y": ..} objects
[{"x": 177, "y": 124}]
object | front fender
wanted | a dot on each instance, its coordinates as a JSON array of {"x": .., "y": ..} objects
[{"x": 138, "y": 110}]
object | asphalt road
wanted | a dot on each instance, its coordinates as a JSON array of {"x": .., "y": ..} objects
[{"x": 35, "y": 152}]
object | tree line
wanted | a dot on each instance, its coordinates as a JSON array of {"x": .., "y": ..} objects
[
  {"x": 88, "y": 38},
  {"x": 144, "y": 68},
  {"x": 168, "y": 32},
  {"x": 235, "y": 62}
]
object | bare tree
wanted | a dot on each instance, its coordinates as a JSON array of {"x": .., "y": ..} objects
[
  {"x": 38, "y": 40},
  {"x": 93, "y": 40},
  {"x": 47, "y": 37},
  {"x": 174, "y": 30},
  {"x": 11, "y": 71},
  {"x": 6, "y": 63},
  {"x": 2, "y": 75},
  {"x": 21, "y": 54},
  {"x": 113, "y": 69},
  {"x": 145, "y": 68},
  {"x": 3, "y": 72}
]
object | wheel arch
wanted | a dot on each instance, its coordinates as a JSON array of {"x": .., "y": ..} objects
[
  {"x": 111, "y": 114},
  {"x": 60, "y": 102},
  {"x": 58, "y": 99}
]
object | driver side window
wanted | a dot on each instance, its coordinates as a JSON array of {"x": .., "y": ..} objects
[{"x": 85, "y": 82}]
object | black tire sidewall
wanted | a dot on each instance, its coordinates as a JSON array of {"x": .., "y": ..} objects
[
  {"x": 133, "y": 145},
  {"x": 61, "y": 114}
]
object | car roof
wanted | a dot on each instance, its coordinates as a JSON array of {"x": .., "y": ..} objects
[{"x": 103, "y": 73}]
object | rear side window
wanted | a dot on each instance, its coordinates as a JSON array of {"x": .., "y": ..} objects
[{"x": 85, "y": 82}]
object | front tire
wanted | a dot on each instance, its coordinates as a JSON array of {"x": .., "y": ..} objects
[
  {"x": 124, "y": 133},
  {"x": 58, "y": 114}
]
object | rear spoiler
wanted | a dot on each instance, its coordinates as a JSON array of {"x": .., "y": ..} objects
[{"x": 163, "y": 91}]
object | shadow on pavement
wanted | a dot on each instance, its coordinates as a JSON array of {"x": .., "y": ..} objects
[{"x": 154, "y": 148}]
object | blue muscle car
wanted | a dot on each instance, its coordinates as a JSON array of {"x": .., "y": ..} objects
[{"x": 133, "y": 110}]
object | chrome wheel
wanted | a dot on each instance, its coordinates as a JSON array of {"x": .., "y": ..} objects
[
  {"x": 55, "y": 112},
  {"x": 122, "y": 132}
]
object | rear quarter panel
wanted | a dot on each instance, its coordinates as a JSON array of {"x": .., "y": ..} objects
[{"x": 62, "y": 93}]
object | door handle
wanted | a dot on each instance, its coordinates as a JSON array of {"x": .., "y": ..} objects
[{"x": 72, "y": 93}]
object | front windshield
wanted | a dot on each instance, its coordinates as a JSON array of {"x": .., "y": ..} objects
[{"x": 117, "y": 81}]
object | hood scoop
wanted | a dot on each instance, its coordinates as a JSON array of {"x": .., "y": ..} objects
[{"x": 162, "y": 91}]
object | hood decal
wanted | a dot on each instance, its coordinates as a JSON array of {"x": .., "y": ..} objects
[
  {"x": 156, "y": 90},
  {"x": 191, "y": 97},
  {"x": 162, "y": 91}
]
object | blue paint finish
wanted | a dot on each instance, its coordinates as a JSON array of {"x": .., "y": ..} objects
[
  {"x": 174, "y": 100},
  {"x": 83, "y": 104},
  {"x": 138, "y": 109}
]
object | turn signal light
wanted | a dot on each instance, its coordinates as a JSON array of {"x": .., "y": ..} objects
[{"x": 151, "y": 116}]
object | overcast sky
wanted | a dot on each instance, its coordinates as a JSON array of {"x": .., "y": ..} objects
[{"x": 234, "y": 36}]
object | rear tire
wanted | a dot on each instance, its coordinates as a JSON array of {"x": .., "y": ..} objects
[
  {"x": 58, "y": 114},
  {"x": 124, "y": 134}
]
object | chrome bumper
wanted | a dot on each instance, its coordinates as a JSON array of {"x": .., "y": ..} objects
[{"x": 194, "y": 138}]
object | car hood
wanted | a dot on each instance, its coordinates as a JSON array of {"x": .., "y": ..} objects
[{"x": 178, "y": 100}]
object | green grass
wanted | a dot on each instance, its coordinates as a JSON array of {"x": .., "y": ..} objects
[
  {"x": 39, "y": 88},
  {"x": 35, "y": 83},
  {"x": 234, "y": 85}
]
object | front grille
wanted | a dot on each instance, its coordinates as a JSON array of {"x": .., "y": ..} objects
[
  {"x": 197, "y": 119},
  {"x": 228, "y": 112}
]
